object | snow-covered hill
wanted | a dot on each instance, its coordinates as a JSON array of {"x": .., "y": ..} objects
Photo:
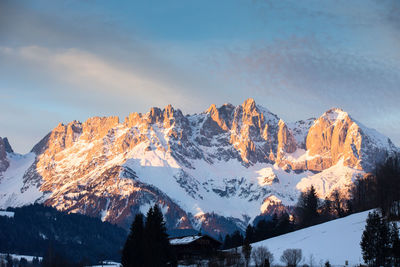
[
  {"x": 337, "y": 241},
  {"x": 216, "y": 170}
]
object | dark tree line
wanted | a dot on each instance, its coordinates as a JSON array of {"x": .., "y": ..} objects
[
  {"x": 36, "y": 229},
  {"x": 379, "y": 190},
  {"x": 307, "y": 213},
  {"x": 388, "y": 188},
  {"x": 380, "y": 242},
  {"x": 262, "y": 230},
  {"x": 147, "y": 244}
]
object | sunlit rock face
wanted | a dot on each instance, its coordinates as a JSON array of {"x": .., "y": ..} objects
[
  {"x": 336, "y": 136},
  {"x": 215, "y": 170}
]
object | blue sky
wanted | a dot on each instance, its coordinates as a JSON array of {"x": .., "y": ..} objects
[{"x": 66, "y": 60}]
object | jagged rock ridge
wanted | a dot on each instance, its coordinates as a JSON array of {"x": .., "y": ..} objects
[{"x": 230, "y": 162}]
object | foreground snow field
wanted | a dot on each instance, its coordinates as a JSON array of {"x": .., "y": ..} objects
[{"x": 337, "y": 241}]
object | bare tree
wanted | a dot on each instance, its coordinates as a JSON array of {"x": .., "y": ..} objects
[
  {"x": 260, "y": 255},
  {"x": 292, "y": 257}
]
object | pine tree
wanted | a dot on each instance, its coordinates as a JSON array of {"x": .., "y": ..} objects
[
  {"x": 133, "y": 251},
  {"x": 369, "y": 238},
  {"x": 246, "y": 249},
  {"x": 9, "y": 261},
  {"x": 326, "y": 207},
  {"x": 307, "y": 207},
  {"x": 312, "y": 202},
  {"x": 267, "y": 263},
  {"x": 388, "y": 187},
  {"x": 375, "y": 242},
  {"x": 284, "y": 224},
  {"x": 23, "y": 262},
  {"x": 250, "y": 233},
  {"x": 157, "y": 242},
  {"x": 236, "y": 239},
  {"x": 35, "y": 261},
  {"x": 395, "y": 240},
  {"x": 227, "y": 242}
]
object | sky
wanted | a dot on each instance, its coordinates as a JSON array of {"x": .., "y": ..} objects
[{"x": 70, "y": 60}]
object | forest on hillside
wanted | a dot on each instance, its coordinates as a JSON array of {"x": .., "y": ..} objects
[{"x": 38, "y": 230}]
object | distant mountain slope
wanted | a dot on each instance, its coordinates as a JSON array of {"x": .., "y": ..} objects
[
  {"x": 34, "y": 229},
  {"x": 216, "y": 170},
  {"x": 337, "y": 241}
]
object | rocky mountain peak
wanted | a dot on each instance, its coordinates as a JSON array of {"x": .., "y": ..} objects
[
  {"x": 222, "y": 116},
  {"x": 99, "y": 126},
  {"x": 249, "y": 105},
  {"x": 3, "y": 155},
  {"x": 336, "y": 136},
  {"x": 155, "y": 115},
  {"x": 227, "y": 156},
  {"x": 7, "y": 145},
  {"x": 334, "y": 114},
  {"x": 172, "y": 115},
  {"x": 212, "y": 109}
]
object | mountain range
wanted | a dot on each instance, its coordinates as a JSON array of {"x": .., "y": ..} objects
[{"x": 216, "y": 171}]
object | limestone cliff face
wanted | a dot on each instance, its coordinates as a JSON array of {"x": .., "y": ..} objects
[
  {"x": 336, "y": 136},
  {"x": 80, "y": 165},
  {"x": 252, "y": 131},
  {"x": 286, "y": 141},
  {"x": 110, "y": 169}
]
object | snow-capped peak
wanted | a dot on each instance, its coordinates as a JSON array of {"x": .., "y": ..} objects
[
  {"x": 335, "y": 114},
  {"x": 230, "y": 163}
]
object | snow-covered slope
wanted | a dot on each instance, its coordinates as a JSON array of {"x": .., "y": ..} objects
[
  {"x": 13, "y": 192},
  {"x": 216, "y": 170},
  {"x": 337, "y": 241}
]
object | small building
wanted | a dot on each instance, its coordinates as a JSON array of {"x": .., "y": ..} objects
[{"x": 194, "y": 246}]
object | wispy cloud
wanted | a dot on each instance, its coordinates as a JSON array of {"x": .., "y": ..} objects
[
  {"x": 88, "y": 72},
  {"x": 68, "y": 60},
  {"x": 305, "y": 77}
]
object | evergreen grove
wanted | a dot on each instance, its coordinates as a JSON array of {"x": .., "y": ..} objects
[
  {"x": 380, "y": 242},
  {"x": 147, "y": 244}
]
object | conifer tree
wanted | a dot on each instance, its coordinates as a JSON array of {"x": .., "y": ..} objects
[
  {"x": 284, "y": 224},
  {"x": 133, "y": 251},
  {"x": 395, "y": 240},
  {"x": 157, "y": 242},
  {"x": 307, "y": 207},
  {"x": 267, "y": 263},
  {"x": 236, "y": 239},
  {"x": 227, "y": 242},
  {"x": 246, "y": 249},
  {"x": 388, "y": 187},
  {"x": 250, "y": 233},
  {"x": 9, "y": 261},
  {"x": 375, "y": 242}
]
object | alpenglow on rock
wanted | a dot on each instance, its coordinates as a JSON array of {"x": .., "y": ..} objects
[{"x": 216, "y": 170}]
